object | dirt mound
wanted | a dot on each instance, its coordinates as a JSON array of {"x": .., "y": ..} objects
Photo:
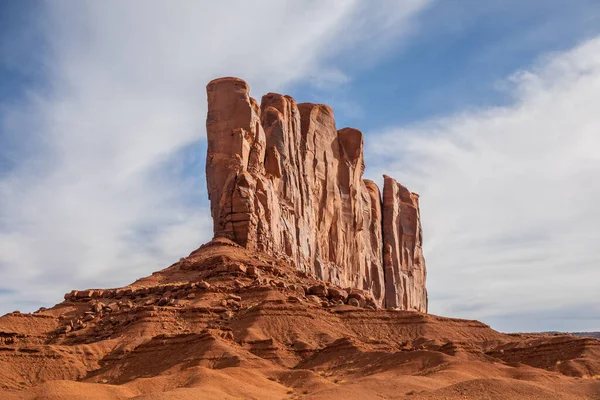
[{"x": 229, "y": 323}]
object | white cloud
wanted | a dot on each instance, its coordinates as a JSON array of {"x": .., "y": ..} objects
[
  {"x": 509, "y": 198},
  {"x": 99, "y": 192}
]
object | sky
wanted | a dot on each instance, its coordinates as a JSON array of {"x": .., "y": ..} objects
[{"x": 488, "y": 110}]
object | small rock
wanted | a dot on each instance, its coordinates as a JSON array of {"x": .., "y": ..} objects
[
  {"x": 72, "y": 295},
  {"x": 203, "y": 285},
  {"x": 353, "y": 302},
  {"x": 233, "y": 303},
  {"x": 354, "y": 294},
  {"x": 233, "y": 268},
  {"x": 163, "y": 301},
  {"x": 89, "y": 317},
  {"x": 337, "y": 294},
  {"x": 227, "y": 315},
  {"x": 234, "y": 297},
  {"x": 252, "y": 272},
  {"x": 318, "y": 290},
  {"x": 238, "y": 283},
  {"x": 85, "y": 294},
  {"x": 191, "y": 296},
  {"x": 314, "y": 299}
]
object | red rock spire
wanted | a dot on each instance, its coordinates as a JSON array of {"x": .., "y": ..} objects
[{"x": 283, "y": 180}]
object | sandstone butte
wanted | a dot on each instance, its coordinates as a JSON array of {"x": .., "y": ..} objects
[
  {"x": 283, "y": 180},
  {"x": 312, "y": 288}
]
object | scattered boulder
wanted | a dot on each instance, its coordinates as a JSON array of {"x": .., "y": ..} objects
[
  {"x": 337, "y": 294},
  {"x": 203, "y": 285},
  {"x": 318, "y": 290},
  {"x": 72, "y": 295},
  {"x": 84, "y": 294},
  {"x": 356, "y": 294},
  {"x": 89, "y": 317},
  {"x": 163, "y": 301},
  {"x": 253, "y": 272},
  {"x": 353, "y": 302}
]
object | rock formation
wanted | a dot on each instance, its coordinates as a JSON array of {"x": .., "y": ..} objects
[
  {"x": 288, "y": 309},
  {"x": 403, "y": 261},
  {"x": 284, "y": 181}
]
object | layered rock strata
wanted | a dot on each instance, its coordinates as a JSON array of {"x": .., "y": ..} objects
[{"x": 283, "y": 180}]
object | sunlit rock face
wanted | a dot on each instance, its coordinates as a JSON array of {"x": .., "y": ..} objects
[
  {"x": 283, "y": 180},
  {"x": 403, "y": 261}
]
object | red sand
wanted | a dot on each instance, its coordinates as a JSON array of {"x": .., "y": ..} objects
[{"x": 255, "y": 334}]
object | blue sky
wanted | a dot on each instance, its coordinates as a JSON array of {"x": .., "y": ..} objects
[
  {"x": 484, "y": 108},
  {"x": 454, "y": 62}
]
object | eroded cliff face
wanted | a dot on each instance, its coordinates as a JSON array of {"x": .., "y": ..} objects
[
  {"x": 283, "y": 180},
  {"x": 403, "y": 261}
]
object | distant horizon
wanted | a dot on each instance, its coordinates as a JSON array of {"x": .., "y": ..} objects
[{"x": 489, "y": 115}]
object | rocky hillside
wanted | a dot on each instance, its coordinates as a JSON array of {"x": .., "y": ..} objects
[
  {"x": 587, "y": 334},
  {"x": 229, "y": 323}
]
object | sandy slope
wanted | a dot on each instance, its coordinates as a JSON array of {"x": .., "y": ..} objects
[{"x": 272, "y": 342}]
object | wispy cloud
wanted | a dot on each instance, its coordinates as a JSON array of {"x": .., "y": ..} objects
[
  {"x": 509, "y": 196},
  {"x": 105, "y": 159}
]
